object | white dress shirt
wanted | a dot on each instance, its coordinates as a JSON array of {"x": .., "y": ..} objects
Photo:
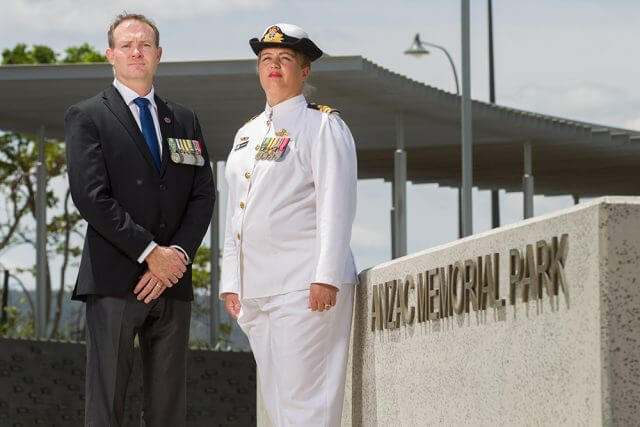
[
  {"x": 129, "y": 95},
  {"x": 288, "y": 222}
]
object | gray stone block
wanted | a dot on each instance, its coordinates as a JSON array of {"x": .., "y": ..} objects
[{"x": 566, "y": 359}]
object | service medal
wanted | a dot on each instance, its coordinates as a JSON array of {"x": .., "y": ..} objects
[
  {"x": 282, "y": 147},
  {"x": 272, "y": 148},
  {"x": 176, "y": 157},
  {"x": 263, "y": 147},
  {"x": 185, "y": 151}
]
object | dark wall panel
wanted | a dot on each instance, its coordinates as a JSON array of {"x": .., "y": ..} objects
[{"x": 42, "y": 383}]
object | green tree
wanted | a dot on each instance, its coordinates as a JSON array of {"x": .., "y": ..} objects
[
  {"x": 201, "y": 279},
  {"x": 20, "y": 54},
  {"x": 82, "y": 53},
  {"x": 43, "y": 54},
  {"x": 18, "y": 158}
]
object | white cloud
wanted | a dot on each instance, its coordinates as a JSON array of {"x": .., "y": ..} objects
[
  {"x": 595, "y": 102},
  {"x": 633, "y": 124},
  {"x": 369, "y": 238},
  {"x": 82, "y": 17}
]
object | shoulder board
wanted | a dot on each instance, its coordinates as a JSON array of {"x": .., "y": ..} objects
[
  {"x": 251, "y": 119},
  {"x": 323, "y": 108}
]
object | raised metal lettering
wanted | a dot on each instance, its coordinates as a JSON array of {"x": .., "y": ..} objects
[
  {"x": 376, "y": 309},
  {"x": 458, "y": 287},
  {"x": 446, "y": 290},
  {"x": 434, "y": 293},
  {"x": 390, "y": 290},
  {"x": 470, "y": 294},
  {"x": 543, "y": 257},
  {"x": 559, "y": 253},
  {"x": 408, "y": 313},
  {"x": 422, "y": 299},
  {"x": 515, "y": 274}
]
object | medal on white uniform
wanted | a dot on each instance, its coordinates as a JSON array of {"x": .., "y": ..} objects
[{"x": 273, "y": 147}]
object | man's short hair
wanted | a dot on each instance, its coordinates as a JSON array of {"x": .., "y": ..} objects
[{"x": 124, "y": 16}]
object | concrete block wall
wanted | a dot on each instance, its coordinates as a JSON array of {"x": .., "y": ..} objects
[
  {"x": 572, "y": 358},
  {"x": 42, "y": 383}
]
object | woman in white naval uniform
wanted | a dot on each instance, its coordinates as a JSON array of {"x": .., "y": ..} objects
[{"x": 287, "y": 270}]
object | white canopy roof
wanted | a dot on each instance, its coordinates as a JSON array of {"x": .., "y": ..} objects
[{"x": 569, "y": 157}]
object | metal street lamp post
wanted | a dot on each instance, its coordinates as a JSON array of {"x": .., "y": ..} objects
[
  {"x": 495, "y": 195},
  {"x": 467, "y": 139},
  {"x": 417, "y": 49}
]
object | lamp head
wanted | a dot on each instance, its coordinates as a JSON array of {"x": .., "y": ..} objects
[{"x": 417, "y": 48}]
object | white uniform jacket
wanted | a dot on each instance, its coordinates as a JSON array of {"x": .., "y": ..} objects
[{"x": 288, "y": 221}]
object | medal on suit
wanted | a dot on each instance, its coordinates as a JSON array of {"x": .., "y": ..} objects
[{"x": 185, "y": 151}]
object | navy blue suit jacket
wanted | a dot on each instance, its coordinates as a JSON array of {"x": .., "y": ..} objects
[{"x": 125, "y": 200}]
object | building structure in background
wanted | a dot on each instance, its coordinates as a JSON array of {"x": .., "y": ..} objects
[{"x": 385, "y": 110}]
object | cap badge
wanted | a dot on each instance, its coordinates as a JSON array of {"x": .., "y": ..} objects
[{"x": 273, "y": 35}]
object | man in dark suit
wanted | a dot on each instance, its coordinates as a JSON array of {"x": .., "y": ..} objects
[{"x": 139, "y": 174}]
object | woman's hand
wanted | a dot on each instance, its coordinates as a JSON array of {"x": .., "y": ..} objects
[
  {"x": 232, "y": 304},
  {"x": 322, "y": 296}
]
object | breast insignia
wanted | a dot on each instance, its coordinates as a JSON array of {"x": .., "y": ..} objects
[{"x": 323, "y": 108}]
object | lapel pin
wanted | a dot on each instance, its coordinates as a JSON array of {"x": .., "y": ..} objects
[{"x": 167, "y": 120}]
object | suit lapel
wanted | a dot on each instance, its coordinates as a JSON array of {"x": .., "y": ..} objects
[
  {"x": 116, "y": 105},
  {"x": 167, "y": 121}
]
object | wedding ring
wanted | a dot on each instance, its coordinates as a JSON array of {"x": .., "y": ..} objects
[{"x": 158, "y": 285}]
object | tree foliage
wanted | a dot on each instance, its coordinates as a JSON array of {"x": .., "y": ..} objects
[
  {"x": 20, "y": 54},
  {"x": 18, "y": 162},
  {"x": 82, "y": 53},
  {"x": 201, "y": 280}
]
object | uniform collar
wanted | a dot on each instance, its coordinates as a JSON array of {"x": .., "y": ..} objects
[
  {"x": 285, "y": 106},
  {"x": 129, "y": 94}
]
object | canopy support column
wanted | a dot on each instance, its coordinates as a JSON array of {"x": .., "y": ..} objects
[
  {"x": 467, "y": 139},
  {"x": 41, "y": 237},
  {"x": 214, "y": 235},
  {"x": 527, "y": 180},
  {"x": 399, "y": 190},
  {"x": 495, "y": 208}
]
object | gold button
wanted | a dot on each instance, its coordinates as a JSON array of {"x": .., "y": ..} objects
[
  {"x": 257, "y": 147},
  {"x": 247, "y": 175},
  {"x": 241, "y": 205},
  {"x": 238, "y": 236}
]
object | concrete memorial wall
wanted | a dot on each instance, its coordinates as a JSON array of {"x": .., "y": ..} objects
[
  {"x": 537, "y": 323},
  {"x": 42, "y": 384}
]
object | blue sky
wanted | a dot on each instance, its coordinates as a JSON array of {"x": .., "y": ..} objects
[{"x": 570, "y": 58}]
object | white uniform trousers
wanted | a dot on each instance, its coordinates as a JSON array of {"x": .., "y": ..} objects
[{"x": 301, "y": 356}]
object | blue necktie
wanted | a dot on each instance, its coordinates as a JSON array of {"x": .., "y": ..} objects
[{"x": 149, "y": 129}]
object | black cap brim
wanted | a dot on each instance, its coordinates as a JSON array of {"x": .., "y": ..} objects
[{"x": 303, "y": 45}]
